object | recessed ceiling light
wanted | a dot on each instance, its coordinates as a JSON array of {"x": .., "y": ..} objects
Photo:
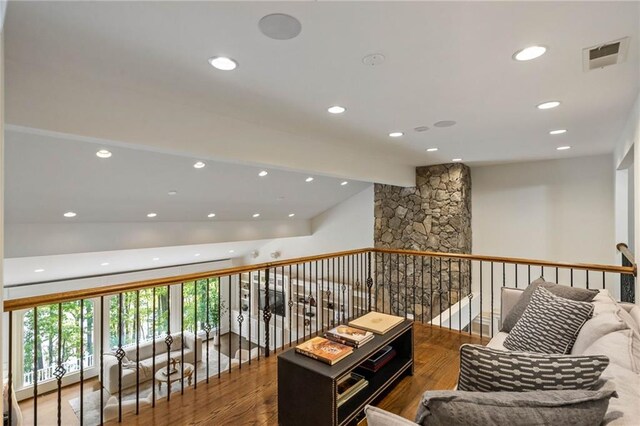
[
  {"x": 155, "y": 259},
  {"x": 70, "y": 214},
  {"x": 444, "y": 123},
  {"x": 529, "y": 53},
  {"x": 232, "y": 251},
  {"x": 395, "y": 134},
  {"x": 292, "y": 214},
  {"x": 152, "y": 214},
  {"x": 309, "y": 179},
  {"x": 344, "y": 183},
  {"x": 199, "y": 165},
  {"x": 336, "y": 109},
  {"x": 563, "y": 148},
  {"x": 432, "y": 149},
  {"x": 39, "y": 270},
  {"x": 103, "y": 153},
  {"x": 256, "y": 215},
  {"x": 456, "y": 160},
  {"x": 223, "y": 63},
  {"x": 211, "y": 215},
  {"x": 548, "y": 105},
  {"x": 172, "y": 192},
  {"x": 558, "y": 132},
  {"x": 104, "y": 264},
  {"x": 263, "y": 173},
  {"x": 197, "y": 254}
]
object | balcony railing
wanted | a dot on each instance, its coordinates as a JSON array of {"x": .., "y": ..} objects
[
  {"x": 208, "y": 324},
  {"x": 46, "y": 373}
]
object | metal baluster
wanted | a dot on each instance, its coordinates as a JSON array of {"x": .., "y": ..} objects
[
  {"x": 284, "y": 309},
  {"x": 182, "y": 337},
  {"x": 266, "y": 313},
  {"x": 542, "y": 271},
  {"x": 101, "y": 359},
  {"x": 571, "y": 277},
  {"x": 219, "y": 324},
  {"x": 137, "y": 350},
  {"x": 207, "y": 324},
  {"x": 491, "y": 329},
  {"x": 481, "y": 306},
  {"x": 343, "y": 287},
  {"x": 10, "y": 376},
  {"x": 369, "y": 279},
  {"x": 431, "y": 288},
  {"x": 316, "y": 299},
  {"x": 414, "y": 287},
  {"x": 240, "y": 319},
  {"x": 195, "y": 334},
  {"x": 35, "y": 365},
  {"x": 60, "y": 370},
  {"x": 258, "y": 316},
  {"x": 603, "y": 279},
  {"x": 304, "y": 299},
  {"x": 290, "y": 304},
  {"x": 440, "y": 292},
  {"x": 449, "y": 291},
  {"x": 587, "y": 273},
  {"x": 422, "y": 287},
  {"x": 516, "y": 269},
  {"x": 406, "y": 290},
  {"x": 168, "y": 340},
  {"x": 120, "y": 355},
  {"x": 153, "y": 349},
  {"x": 251, "y": 309},
  {"x": 398, "y": 284},
  {"x": 384, "y": 269},
  {"x": 470, "y": 296},
  {"x": 81, "y": 361},
  {"x": 229, "y": 309},
  {"x": 556, "y": 275},
  {"x": 504, "y": 275},
  {"x": 297, "y": 304},
  {"x": 333, "y": 292},
  {"x": 460, "y": 295}
]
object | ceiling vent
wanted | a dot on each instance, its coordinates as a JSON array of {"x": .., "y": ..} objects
[{"x": 603, "y": 55}]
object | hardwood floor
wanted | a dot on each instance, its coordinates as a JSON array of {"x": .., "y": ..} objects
[{"x": 248, "y": 396}]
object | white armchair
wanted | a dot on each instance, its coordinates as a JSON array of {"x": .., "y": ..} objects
[{"x": 243, "y": 355}]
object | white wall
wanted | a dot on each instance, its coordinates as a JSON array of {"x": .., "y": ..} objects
[
  {"x": 346, "y": 226},
  {"x": 560, "y": 210}
]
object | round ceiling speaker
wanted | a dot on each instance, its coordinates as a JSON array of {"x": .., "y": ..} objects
[{"x": 280, "y": 26}]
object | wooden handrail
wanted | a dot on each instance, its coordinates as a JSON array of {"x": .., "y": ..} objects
[
  {"x": 624, "y": 249},
  {"x": 90, "y": 293},
  {"x": 516, "y": 260}
]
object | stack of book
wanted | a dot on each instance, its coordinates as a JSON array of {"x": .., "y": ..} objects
[
  {"x": 376, "y": 322},
  {"x": 349, "y": 336},
  {"x": 348, "y": 386},
  {"x": 324, "y": 350},
  {"x": 379, "y": 359}
]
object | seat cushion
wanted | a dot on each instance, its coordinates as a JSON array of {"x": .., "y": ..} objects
[
  {"x": 622, "y": 347},
  {"x": 485, "y": 369},
  {"x": 564, "y": 291},
  {"x": 565, "y": 407},
  {"x": 600, "y": 325},
  {"x": 549, "y": 324}
]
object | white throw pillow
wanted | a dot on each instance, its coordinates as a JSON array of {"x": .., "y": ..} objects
[
  {"x": 600, "y": 325},
  {"x": 619, "y": 347}
]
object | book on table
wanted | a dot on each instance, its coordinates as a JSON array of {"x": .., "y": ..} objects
[
  {"x": 324, "y": 350},
  {"x": 348, "y": 386},
  {"x": 376, "y": 322},
  {"x": 349, "y": 336}
]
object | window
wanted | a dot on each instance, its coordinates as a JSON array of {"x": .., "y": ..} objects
[
  {"x": 46, "y": 349},
  {"x": 190, "y": 299}
]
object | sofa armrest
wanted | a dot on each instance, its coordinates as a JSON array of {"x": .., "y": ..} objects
[
  {"x": 508, "y": 298},
  {"x": 194, "y": 343},
  {"x": 379, "y": 417}
]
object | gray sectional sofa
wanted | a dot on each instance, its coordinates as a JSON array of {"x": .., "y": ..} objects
[{"x": 613, "y": 330}]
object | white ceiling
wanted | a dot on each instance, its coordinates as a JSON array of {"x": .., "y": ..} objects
[
  {"x": 444, "y": 61},
  {"x": 48, "y": 175}
]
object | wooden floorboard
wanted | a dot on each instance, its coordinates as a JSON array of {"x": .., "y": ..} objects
[{"x": 248, "y": 396}]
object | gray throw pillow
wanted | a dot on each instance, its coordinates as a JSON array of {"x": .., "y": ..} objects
[
  {"x": 564, "y": 291},
  {"x": 485, "y": 369},
  {"x": 565, "y": 407},
  {"x": 549, "y": 325}
]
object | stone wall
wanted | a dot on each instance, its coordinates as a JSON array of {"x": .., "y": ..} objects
[{"x": 435, "y": 215}]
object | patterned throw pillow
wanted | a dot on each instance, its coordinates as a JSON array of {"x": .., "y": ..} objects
[
  {"x": 549, "y": 325},
  {"x": 485, "y": 369}
]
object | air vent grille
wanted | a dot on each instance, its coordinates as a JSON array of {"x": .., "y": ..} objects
[{"x": 604, "y": 55}]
